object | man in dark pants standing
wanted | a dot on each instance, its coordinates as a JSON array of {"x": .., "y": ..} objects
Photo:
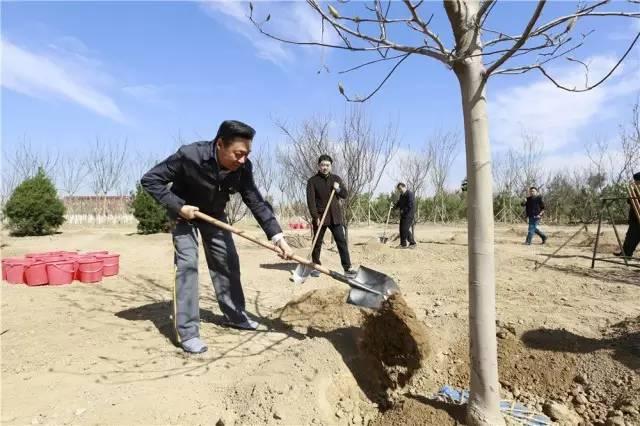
[
  {"x": 534, "y": 207},
  {"x": 632, "y": 239},
  {"x": 407, "y": 206},
  {"x": 203, "y": 176},
  {"x": 319, "y": 189}
]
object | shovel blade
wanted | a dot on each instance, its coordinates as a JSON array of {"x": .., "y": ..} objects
[
  {"x": 300, "y": 274},
  {"x": 382, "y": 286},
  {"x": 383, "y": 240}
]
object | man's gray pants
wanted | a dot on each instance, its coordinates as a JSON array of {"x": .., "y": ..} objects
[{"x": 224, "y": 268}]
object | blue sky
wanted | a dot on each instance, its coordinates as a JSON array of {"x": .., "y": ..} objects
[{"x": 149, "y": 72}]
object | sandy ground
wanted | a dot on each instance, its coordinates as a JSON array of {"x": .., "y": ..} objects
[{"x": 103, "y": 353}]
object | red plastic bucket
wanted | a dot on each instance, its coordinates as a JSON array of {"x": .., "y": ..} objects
[
  {"x": 15, "y": 270},
  {"x": 60, "y": 273},
  {"x": 50, "y": 258},
  {"x": 90, "y": 269},
  {"x": 111, "y": 263},
  {"x": 36, "y": 273},
  {"x": 4, "y": 268},
  {"x": 76, "y": 258}
]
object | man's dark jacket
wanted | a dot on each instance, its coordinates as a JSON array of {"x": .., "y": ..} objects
[
  {"x": 198, "y": 181},
  {"x": 533, "y": 206},
  {"x": 406, "y": 204},
  {"x": 319, "y": 189}
]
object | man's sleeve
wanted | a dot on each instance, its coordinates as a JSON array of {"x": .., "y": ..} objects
[
  {"x": 343, "y": 189},
  {"x": 156, "y": 182},
  {"x": 311, "y": 200},
  {"x": 541, "y": 205},
  {"x": 411, "y": 201},
  {"x": 256, "y": 203}
]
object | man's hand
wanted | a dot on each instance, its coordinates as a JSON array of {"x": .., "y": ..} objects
[
  {"x": 285, "y": 250},
  {"x": 316, "y": 222},
  {"x": 188, "y": 212},
  {"x": 336, "y": 186}
]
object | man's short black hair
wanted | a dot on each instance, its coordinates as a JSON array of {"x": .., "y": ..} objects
[
  {"x": 636, "y": 176},
  {"x": 533, "y": 187},
  {"x": 325, "y": 157},
  {"x": 231, "y": 129},
  {"x": 401, "y": 185}
]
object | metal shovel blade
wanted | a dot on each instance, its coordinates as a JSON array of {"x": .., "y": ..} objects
[
  {"x": 383, "y": 240},
  {"x": 370, "y": 288},
  {"x": 300, "y": 274}
]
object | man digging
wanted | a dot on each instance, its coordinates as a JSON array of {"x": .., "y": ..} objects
[
  {"x": 203, "y": 175},
  {"x": 407, "y": 206},
  {"x": 319, "y": 189}
]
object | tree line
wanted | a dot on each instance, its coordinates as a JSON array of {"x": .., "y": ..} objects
[{"x": 366, "y": 155}]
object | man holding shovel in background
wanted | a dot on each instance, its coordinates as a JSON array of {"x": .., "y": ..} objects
[
  {"x": 319, "y": 188},
  {"x": 407, "y": 206},
  {"x": 203, "y": 176},
  {"x": 632, "y": 238}
]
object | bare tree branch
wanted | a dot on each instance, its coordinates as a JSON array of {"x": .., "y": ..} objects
[
  {"x": 519, "y": 43},
  {"x": 423, "y": 25},
  {"x": 522, "y": 70},
  {"x": 377, "y": 44},
  {"x": 371, "y": 63},
  {"x": 379, "y": 85}
]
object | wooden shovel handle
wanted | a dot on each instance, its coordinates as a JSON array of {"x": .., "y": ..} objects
[
  {"x": 324, "y": 216},
  {"x": 222, "y": 225},
  {"x": 634, "y": 194}
]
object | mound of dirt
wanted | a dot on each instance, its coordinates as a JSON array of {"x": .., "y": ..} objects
[
  {"x": 395, "y": 342},
  {"x": 597, "y": 377},
  {"x": 392, "y": 343},
  {"x": 323, "y": 310}
]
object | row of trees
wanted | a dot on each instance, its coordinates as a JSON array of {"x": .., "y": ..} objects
[{"x": 365, "y": 156}]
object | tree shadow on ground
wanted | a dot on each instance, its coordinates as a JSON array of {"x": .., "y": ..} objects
[
  {"x": 625, "y": 346},
  {"x": 608, "y": 275},
  {"x": 159, "y": 314},
  {"x": 345, "y": 341}
]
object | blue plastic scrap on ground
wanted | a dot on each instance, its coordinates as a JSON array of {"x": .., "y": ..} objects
[{"x": 513, "y": 409}]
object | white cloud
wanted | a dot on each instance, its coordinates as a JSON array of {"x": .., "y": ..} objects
[
  {"x": 555, "y": 115},
  {"x": 45, "y": 76},
  {"x": 148, "y": 93},
  {"x": 289, "y": 20}
]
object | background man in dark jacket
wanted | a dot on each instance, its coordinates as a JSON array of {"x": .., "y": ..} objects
[
  {"x": 319, "y": 189},
  {"x": 534, "y": 207},
  {"x": 407, "y": 206},
  {"x": 203, "y": 176},
  {"x": 632, "y": 239}
]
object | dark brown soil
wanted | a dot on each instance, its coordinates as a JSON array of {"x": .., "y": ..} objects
[
  {"x": 396, "y": 341},
  {"x": 324, "y": 310},
  {"x": 411, "y": 412}
]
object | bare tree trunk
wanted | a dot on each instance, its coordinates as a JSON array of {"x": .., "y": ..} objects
[{"x": 484, "y": 401}]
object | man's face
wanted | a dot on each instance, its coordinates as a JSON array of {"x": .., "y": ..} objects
[
  {"x": 533, "y": 192},
  {"x": 402, "y": 189},
  {"x": 324, "y": 167},
  {"x": 232, "y": 157}
]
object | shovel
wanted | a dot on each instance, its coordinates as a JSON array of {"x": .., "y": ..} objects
[
  {"x": 384, "y": 237},
  {"x": 368, "y": 289},
  {"x": 301, "y": 272}
]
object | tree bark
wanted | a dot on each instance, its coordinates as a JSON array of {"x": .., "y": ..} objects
[{"x": 484, "y": 401}]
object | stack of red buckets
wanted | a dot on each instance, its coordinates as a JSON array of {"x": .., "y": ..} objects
[{"x": 60, "y": 267}]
